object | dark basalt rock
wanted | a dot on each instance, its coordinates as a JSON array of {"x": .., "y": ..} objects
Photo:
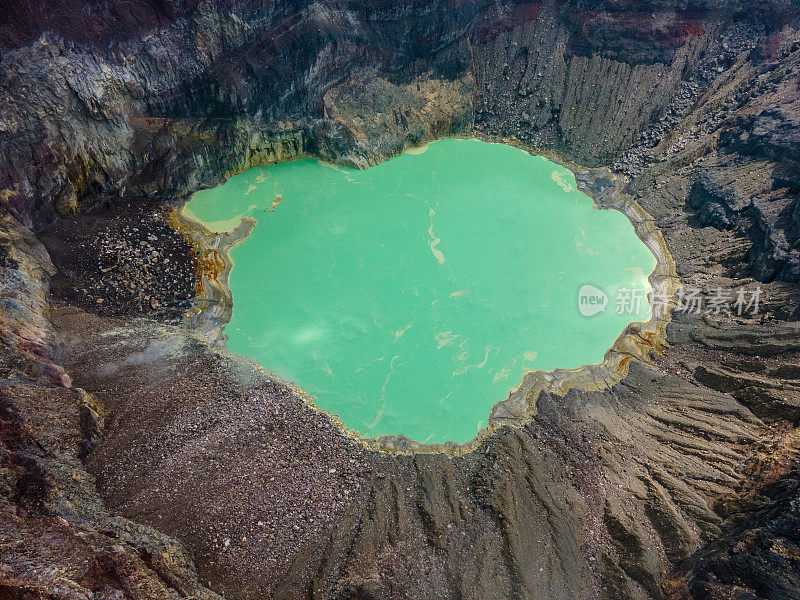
[
  {"x": 755, "y": 557},
  {"x": 125, "y": 428},
  {"x": 712, "y": 210},
  {"x": 127, "y": 262}
]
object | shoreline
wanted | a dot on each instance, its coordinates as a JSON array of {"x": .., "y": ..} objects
[{"x": 635, "y": 342}]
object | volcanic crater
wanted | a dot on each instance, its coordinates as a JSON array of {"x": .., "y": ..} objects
[{"x": 142, "y": 459}]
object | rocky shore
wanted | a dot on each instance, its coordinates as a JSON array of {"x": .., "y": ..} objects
[
  {"x": 139, "y": 460},
  {"x": 122, "y": 263}
]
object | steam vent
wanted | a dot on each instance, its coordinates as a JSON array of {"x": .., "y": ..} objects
[{"x": 400, "y": 300}]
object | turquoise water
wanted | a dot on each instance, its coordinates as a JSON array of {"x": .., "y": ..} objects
[{"x": 408, "y": 298}]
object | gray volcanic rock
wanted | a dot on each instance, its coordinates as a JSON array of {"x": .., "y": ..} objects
[
  {"x": 136, "y": 116},
  {"x": 58, "y": 538},
  {"x": 680, "y": 481}
]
